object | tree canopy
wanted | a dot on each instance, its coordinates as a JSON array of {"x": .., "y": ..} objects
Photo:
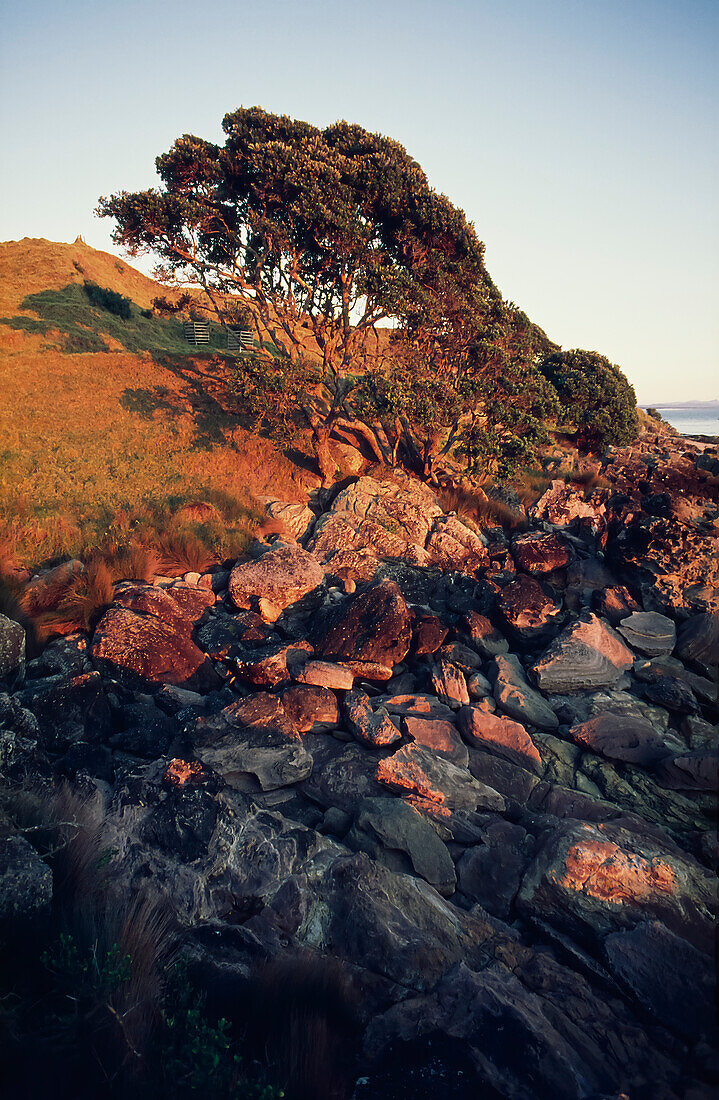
[{"x": 316, "y": 237}]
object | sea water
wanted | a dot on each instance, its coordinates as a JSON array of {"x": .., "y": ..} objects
[{"x": 704, "y": 421}]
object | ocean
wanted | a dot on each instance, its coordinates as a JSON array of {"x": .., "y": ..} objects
[{"x": 703, "y": 421}]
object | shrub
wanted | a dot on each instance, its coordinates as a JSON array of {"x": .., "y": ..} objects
[
  {"x": 595, "y": 396},
  {"x": 110, "y": 300}
]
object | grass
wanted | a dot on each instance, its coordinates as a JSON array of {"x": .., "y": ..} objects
[
  {"x": 479, "y": 510},
  {"x": 74, "y": 323}
]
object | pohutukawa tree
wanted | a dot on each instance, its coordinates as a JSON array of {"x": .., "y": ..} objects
[{"x": 315, "y": 237}]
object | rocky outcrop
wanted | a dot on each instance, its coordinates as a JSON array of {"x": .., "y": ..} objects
[{"x": 587, "y": 655}]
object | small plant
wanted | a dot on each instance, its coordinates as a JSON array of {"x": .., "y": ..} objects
[{"x": 110, "y": 300}]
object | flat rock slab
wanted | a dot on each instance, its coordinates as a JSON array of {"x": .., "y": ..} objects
[
  {"x": 516, "y": 698},
  {"x": 422, "y": 706},
  {"x": 279, "y": 579},
  {"x": 487, "y": 640},
  {"x": 374, "y": 626},
  {"x": 398, "y": 826},
  {"x": 416, "y": 770},
  {"x": 438, "y": 735},
  {"x": 501, "y": 736},
  {"x": 540, "y": 554},
  {"x": 142, "y": 650},
  {"x": 588, "y": 654},
  {"x": 649, "y": 632},
  {"x": 591, "y": 880},
  {"x": 528, "y": 610},
  {"x": 629, "y": 738}
]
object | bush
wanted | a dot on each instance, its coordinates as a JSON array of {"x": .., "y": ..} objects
[
  {"x": 107, "y": 299},
  {"x": 655, "y": 414},
  {"x": 595, "y": 396}
]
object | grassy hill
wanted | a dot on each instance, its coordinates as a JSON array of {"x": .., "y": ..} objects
[{"x": 111, "y": 427}]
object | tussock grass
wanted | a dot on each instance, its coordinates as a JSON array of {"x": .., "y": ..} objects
[{"x": 479, "y": 509}]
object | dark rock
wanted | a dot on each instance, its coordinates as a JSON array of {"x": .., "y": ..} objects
[
  {"x": 509, "y": 779},
  {"x": 94, "y": 760},
  {"x": 374, "y": 626},
  {"x": 147, "y": 731},
  {"x": 516, "y": 698},
  {"x": 438, "y": 735},
  {"x": 428, "y": 633},
  {"x": 691, "y": 771},
  {"x": 397, "y": 826},
  {"x": 619, "y": 737},
  {"x": 699, "y": 640},
  {"x": 673, "y": 694},
  {"x": 486, "y": 638},
  {"x": 649, "y": 632},
  {"x": 449, "y": 684},
  {"x": 267, "y": 666},
  {"x": 490, "y": 873},
  {"x": 311, "y": 708},
  {"x": 528, "y": 610},
  {"x": 342, "y": 776},
  {"x": 540, "y": 554},
  {"x": 142, "y": 649},
  {"x": 183, "y": 824},
  {"x": 69, "y": 710},
  {"x": 220, "y": 632},
  {"x": 376, "y": 730},
  {"x": 12, "y": 648},
  {"x": 25, "y": 890}
]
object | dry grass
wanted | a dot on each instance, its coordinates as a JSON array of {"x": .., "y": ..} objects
[{"x": 479, "y": 509}]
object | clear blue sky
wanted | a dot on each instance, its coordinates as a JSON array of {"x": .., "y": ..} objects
[{"x": 580, "y": 136}]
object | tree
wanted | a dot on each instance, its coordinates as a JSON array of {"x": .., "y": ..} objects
[
  {"x": 325, "y": 233},
  {"x": 595, "y": 397}
]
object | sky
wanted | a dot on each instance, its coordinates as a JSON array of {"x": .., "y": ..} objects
[{"x": 580, "y": 136}]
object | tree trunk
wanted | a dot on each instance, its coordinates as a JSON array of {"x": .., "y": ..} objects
[{"x": 321, "y": 445}]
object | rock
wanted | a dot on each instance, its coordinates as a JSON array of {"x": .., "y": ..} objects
[
  {"x": 615, "y": 603},
  {"x": 325, "y": 674},
  {"x": 486, "y": 638},
  {"x": 143, "y": 650},
  {"x": 691, "y": 771},
  {"x": 68, "y": 710},
  {"x": 369, "y": 670},
  {"x": 146, "y": 730},
  {"x": 587, "y": 655},
  {"x": 397, "y": 826},
  {"x": 253, "y": 737},
  {"x": 183, "y": 824},
  {"x": 311, "y": 708},
  {"x": 478, "y": 686},
  {"x": 221, "y": 632},
  {"x": 373, "y": 729},
  {"x": 490, "y": 873},
  {"x": 416, "y": 770},
  {"x": 680, "y": 995},
  {"x": 512, "y": 781},
  {"x": 449, "y": 684},
  {"x": 454, "y": 547},
  {"x": 699, "y": 640},
  {"x": 296, "y": 519},
  {"x": 422, "y": 706},
  {"x": 172, "y": 699},
  {"x": 12, "y": 648},
  {"x": 438, "y": 735},
  {"x": 592, "y": 880},
  {"x": 342, "y": 776},
  {"x": 673, "y": 694},
  {"x": 428, "y": 633},
  {"x": 500, "y": 736},
  {"x": 461, "y": 656},
  {"x": 374, "y": 626},
  {"x": 281, "y": 578},
  {"x": 562, "y": 505},
  {"x": 620, "y": 737},
  {"x": 382, "y": 518},
  {"x": 540, "y": 554},
  {"x": 25, "y": 890},
  {"x": 516, "y": 698},
  {"x": 649, "y": 632},
  {"x": 180, "y": 604},
  {"x": 528, "y": 610}
]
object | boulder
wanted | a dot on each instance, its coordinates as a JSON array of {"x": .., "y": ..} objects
[
  {"x": 143, "y": 650},
  {"x": 673, "y": 694},
  {"x": 393, "y": 824},
  {"x": 68, "y": 710},
  {"x": 591, "y": 880},
  {"x": 490, "y": 873},
  {"x": 649, "y": 632},
  {"x": 280, "y": 578},
  {"x": 342, "y": 776},
  {"x": 428, "y": 633},
  {"x": 691, "y": 771},
  {"x": 629, "y": 738},
  {"x": 588, "y": 654},
  {"x": 12, "y": 647},
  {"x": 537, "y": 553},
  {"x": 529, "y": 610},
  {"x": 487, "y": 640},
  {"x": 454, "y": 547},
  {"x": 374, "y": 626},
  {"x": 220, "y": 632},
  {"x": 615, "y": 603},
  {"x": 295, "y": 519},
  {"x": 416, "y": 770},
  {"x": 269, "y": 666},
  {"x": 516, "y": 698},
  {"x": 325, "y": 674},
  {"x": 311, "y": 708},
  {"x": 500, "y": 736}
]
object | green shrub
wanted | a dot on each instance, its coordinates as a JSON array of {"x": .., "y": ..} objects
[
  {"x": 595, "y": 396},
  {"x": 107, "y": 299}
]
